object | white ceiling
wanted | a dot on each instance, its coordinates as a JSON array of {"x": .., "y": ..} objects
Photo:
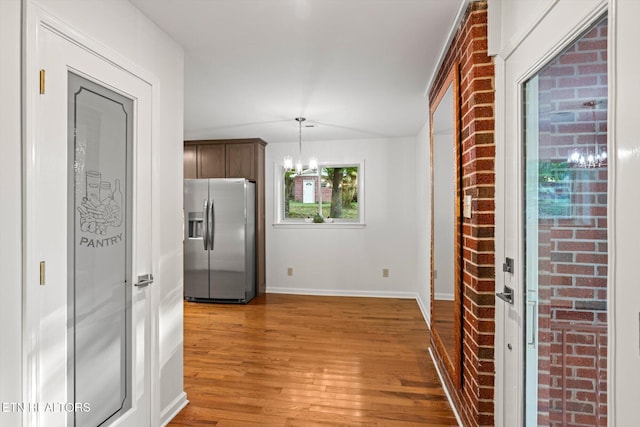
[{"x": 356, "y": 68}]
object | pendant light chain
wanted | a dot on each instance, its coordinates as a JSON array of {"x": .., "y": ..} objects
[
  {"x": 300, "y": 120},
  {"x": 299, "y": 162}
]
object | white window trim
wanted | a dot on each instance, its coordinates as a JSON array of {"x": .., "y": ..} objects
[{"x": 278, "y": 205}]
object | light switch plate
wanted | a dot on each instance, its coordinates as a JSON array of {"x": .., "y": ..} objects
[{"x": 467, "y": 206}]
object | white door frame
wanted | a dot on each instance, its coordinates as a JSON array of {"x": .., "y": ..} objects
[
  {"x": 514, "y": 65},
  {"x": 623, "y": 136},
  {"x": 37, "y": 18}
]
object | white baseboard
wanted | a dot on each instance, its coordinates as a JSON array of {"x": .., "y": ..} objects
[
  {"x": 173, "y": 409},
  {"x": 446, "y": 297},
  {"x": 446, "y": 390},
  {"x": 425, "y": 311},
  {"x": 341, "y": 293}
]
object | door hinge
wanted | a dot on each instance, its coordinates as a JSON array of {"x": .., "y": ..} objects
[
  {"x": 42, "y": 82},
  {"x": 41, "y": 273}
]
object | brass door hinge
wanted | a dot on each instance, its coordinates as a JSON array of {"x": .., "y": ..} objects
[
  {"x": 41, "y": 273},
  {"x": 41, "y": 82}
]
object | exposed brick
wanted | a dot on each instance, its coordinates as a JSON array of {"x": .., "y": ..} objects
[
  {"x": 579, "y": 58},
  {"x": 561, "y": 256},
  {"x": 575, "y": 316},
  {"x": 600, "y": 44},
  {"x": 576, "y": 246},
  {"x": 575, "y": 269},
  {"x": 474, "y": 400},
  {"x": 594, "y": 234},
  {"x": 592, "y": 258},
  {"x": 575, "y": 292}
]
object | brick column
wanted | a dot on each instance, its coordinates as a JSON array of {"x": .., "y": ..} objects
[{"x": 474, "y": 400}]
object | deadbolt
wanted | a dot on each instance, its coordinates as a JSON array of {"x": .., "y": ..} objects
[{"x": 507, "y": 267}]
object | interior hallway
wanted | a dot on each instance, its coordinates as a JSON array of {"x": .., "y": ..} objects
[{"x": 292, "y": 360}]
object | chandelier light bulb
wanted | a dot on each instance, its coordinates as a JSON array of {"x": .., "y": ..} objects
[
  {"x": 574, "y": 156},
  {"x": 288, "y": 163},
  {"x": 592, "y": 159}
]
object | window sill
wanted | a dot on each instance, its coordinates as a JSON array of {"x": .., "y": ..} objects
[{"x": 322, "y": 225}]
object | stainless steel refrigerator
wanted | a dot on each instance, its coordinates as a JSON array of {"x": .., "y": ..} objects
[{"x": 219, "y": 241}]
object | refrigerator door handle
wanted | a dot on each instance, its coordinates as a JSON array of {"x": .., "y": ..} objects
[
  {"x": 212, "y": 225},
  {"x": 205, "y": 215}
]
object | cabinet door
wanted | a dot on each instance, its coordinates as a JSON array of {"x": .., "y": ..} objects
[
  {"x": 211, "y": 161},
  {"x": 241, "y": 161},
  {"x": 190, "y": 164}
]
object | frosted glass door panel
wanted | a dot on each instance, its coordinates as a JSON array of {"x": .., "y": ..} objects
[{"x": 100, "y": 139}]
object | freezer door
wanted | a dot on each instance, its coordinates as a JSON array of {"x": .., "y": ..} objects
[
  {"x": 196, "y": 257},
  {"x": 227, "y": 258}
]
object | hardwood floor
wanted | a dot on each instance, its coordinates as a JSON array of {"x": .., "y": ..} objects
[
  {"x": 291, "y": 360},
  {"x": 443, "y": 322}
]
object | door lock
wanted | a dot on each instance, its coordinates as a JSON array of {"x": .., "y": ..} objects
[{"x": 507, "y": 267}]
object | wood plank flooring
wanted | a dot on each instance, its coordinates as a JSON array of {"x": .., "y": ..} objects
[
  {"x": 443, "y": 322},
  {"x": 291, "y": 360}
]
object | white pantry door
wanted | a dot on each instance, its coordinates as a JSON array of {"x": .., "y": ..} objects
[{"x": 88, "y": 237}]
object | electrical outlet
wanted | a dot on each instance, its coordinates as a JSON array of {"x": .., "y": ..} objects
[
  {"x": 385, "y": 272},
  {"x": 290, "y": 271}
]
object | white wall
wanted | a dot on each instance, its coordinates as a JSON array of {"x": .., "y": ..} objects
[
  {"x": 444, "y": 215},
  {"x": 10, "y": 211},
  {"x": 423, "y": 221},
  {"x": 121, "y": 28},
  {"x": 350, "y": 261}
]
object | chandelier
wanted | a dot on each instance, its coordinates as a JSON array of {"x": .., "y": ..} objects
[
  {"x": 591, "y": 159},
  {"x": 288, "y": 161}
]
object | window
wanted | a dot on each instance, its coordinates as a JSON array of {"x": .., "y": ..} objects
[{"x": 329, "y": 194}]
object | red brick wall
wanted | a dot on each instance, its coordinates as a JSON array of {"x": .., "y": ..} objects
[
  {"x": 474, "y": 400},
  {"x": 572, "y": 246}
]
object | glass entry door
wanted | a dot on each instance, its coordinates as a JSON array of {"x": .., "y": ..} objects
[
  {"x": 100, "y": 132},
  {"x": 565, "y": 229}
]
